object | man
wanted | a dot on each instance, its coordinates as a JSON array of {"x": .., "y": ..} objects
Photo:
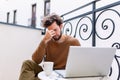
[{"x": 53, "y": 47}]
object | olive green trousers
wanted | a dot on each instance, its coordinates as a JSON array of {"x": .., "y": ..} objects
[{"x": 30, "y": 70}]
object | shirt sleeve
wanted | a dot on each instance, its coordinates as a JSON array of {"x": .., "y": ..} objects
[{"x": 39, "y": 53}]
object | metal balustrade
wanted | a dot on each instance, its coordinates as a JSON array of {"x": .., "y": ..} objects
[{"x": 97, "y": 24}]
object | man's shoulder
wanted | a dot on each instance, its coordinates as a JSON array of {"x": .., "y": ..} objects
[
  {"x": 69, "y": 37},
  {"x": 72, "y": 40}
]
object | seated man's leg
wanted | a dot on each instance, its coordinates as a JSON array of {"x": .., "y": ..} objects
[{"x": 30, "y": 70}]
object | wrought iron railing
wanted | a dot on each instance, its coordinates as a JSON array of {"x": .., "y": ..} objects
[{"x": 93, "y": 20}]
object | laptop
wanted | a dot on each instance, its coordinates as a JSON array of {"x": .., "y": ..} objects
[{"x": 88, "y": 62}]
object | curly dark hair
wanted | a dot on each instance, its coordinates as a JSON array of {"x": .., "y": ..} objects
[{"x": 48, "y": 20}]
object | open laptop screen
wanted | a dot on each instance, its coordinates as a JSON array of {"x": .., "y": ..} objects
[{"x": 89, "y": 61}]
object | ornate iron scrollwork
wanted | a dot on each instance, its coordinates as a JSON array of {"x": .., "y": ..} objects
[{"x": 106, "y": 24}]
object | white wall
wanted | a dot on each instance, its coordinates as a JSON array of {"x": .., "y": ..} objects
[{"x": 16, "y": 45}]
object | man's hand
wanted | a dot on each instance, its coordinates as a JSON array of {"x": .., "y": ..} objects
[{"x": 48, "y": 36}]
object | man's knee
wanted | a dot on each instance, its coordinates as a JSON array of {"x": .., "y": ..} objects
[
  {"x": 28, "y": 64},
  {"x": 31, "y": 65},
  {"x": 29, "y": 70}
]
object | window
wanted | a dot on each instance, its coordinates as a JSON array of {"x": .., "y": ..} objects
[
  {"x": 46, "y": 11},
  {"x": 33, "y": 22},
  {"x": 14, "y": 17},
  {"x": 47, "y": 7},
  {"x": 8, "y": 14}
]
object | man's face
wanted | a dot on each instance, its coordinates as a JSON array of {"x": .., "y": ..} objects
[{"x": 56, "y": 29}]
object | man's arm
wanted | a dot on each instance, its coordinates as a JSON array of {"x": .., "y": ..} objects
[{"x": 39, "y": 53}]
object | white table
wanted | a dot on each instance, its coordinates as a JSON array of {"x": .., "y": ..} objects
[{"x": 55, "y": 76}]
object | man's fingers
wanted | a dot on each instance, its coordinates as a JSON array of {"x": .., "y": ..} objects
[{"x": 52, "y": 33}]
